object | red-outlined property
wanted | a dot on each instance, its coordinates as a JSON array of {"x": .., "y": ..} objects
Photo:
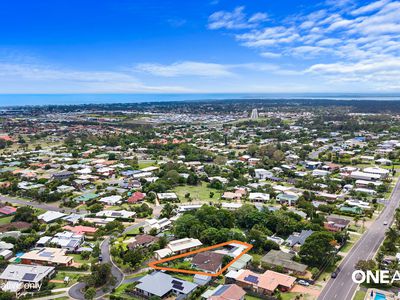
[{"x": 155, "y": 263}]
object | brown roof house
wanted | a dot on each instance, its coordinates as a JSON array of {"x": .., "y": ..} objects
[
  {"x": 208, "y": 261},
  {"x": 143, "y": 240},
  {"x": 225, "y": 292},
  {"x": 336, "y": 224}
]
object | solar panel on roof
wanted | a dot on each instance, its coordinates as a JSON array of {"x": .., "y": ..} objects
[
  {"x": 178, "y": 287},
  {"x": 251, "y": 278},
  {"x": 29, "y": 276},
  {"x": 176, "y": 282},
  {"x": 46, "y": 254}
]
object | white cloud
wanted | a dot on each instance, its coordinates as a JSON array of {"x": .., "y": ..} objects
[
  {"x": 270, "y": 54},
  {"x": 350, "y": 37},
  {"x": 258, "y": 17},
  {"x": 186, "y": 68},
  {"x": 370, "y": 7},
  {"x": 53, "y": 79},
  {"x": 362, "y": 67},
  {"x": 236, "y": 19}
]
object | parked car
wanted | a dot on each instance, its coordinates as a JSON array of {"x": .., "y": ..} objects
[
  {"x": 303, "y": 282},
  {"x": 385, "y": 223},
  {"x": 100, "y": 258}
]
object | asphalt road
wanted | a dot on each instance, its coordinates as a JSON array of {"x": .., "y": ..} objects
[
  {"x": 314, "y": 155},
  {"x": 342, "y": 287}
]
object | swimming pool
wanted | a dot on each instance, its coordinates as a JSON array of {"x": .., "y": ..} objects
[{"x": 379, "y": 296}]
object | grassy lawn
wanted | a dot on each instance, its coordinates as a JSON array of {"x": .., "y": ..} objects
[
  {"x": 120, "y": 291},
  {"x": 137, "y": 275},
  {"x": 292, "y": 296},
  {"x": 73, "y": 278},
  {"x": 359, "y": 295},
  {"x": 247, "y": 297},
  {"x": 5, "y": 220},
  {"x": 145, "y": 163},
  {"x": 184, "y": 277},
  {"x": 133, "y": 231},
  {"x": 199, "y": 192},
  {"x": 359, "y": 228},
  {"x": 347, "y": 247},
  {"x": 79, "y": 259}
]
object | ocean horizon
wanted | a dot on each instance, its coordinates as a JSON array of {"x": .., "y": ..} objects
[{"x": 9, "y": 100}]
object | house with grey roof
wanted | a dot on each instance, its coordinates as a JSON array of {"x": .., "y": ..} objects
[
  {"x": 297, "y": 239},
  {"x": 159, "y": 284},
  {"x": 277, "y": 258},
  {"x": 20, "y": 278},
  {"x": 50, "y": 216}
]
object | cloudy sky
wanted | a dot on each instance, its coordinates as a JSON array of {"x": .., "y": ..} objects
[{"x": 199, "y": 46}]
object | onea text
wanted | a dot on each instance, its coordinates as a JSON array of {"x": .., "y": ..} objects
[{"x": 379, "y": 276}]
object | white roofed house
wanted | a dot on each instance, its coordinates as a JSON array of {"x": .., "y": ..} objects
[
  {"x": 116, "y": 214},
  {"x": 384, "y": 161},
  {"x": 365, "y": 190},
  {"x": 262, "y": 174},
  {"x": 365, "y": 176},
  {"x": 159, "y": 225},
  {"x": 259, "y": 197},
  {"x": 50, "y": 216},
  {"x": 20, "y": 278},
  {"x": 383, "y": 173},
  {"x": 219, "y": 178},
  {"x": 65, "y": 189},
  {"x": 167, "y": 197},
  {"x": 178, "y": 247},
  {"x": 320, "y": 173},
  {"x": 68, "y": 240},
  {"x": 231, "y": 206},
  {"x": 111, "y": 200},
  {"x": 105, "y": 171},
  {"x": 365, "y": 183}
]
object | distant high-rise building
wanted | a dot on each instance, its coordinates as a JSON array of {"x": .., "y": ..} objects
[{"x": 254, "y": 114}]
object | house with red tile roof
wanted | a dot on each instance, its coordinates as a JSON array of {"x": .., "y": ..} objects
[
  {"x": 262, "y": 284},
  {"x": 227, "y": 292},
  {"x": 136, "y": 197},
  {"x": 6, "y": 138},
  {"x": 86, "y": 230},
  {"x": 7, "y": 210}
]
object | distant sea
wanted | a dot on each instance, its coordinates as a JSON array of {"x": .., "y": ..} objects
[{"x": 76, "y": 99}]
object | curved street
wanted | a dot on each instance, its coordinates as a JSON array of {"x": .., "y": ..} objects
[{"x": 76, "y": 291}]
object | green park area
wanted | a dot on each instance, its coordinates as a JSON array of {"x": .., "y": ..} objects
[{"x": 199, "y": 192}]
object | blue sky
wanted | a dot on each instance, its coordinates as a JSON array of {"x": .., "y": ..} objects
[{"x": 199, "y": 46}]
